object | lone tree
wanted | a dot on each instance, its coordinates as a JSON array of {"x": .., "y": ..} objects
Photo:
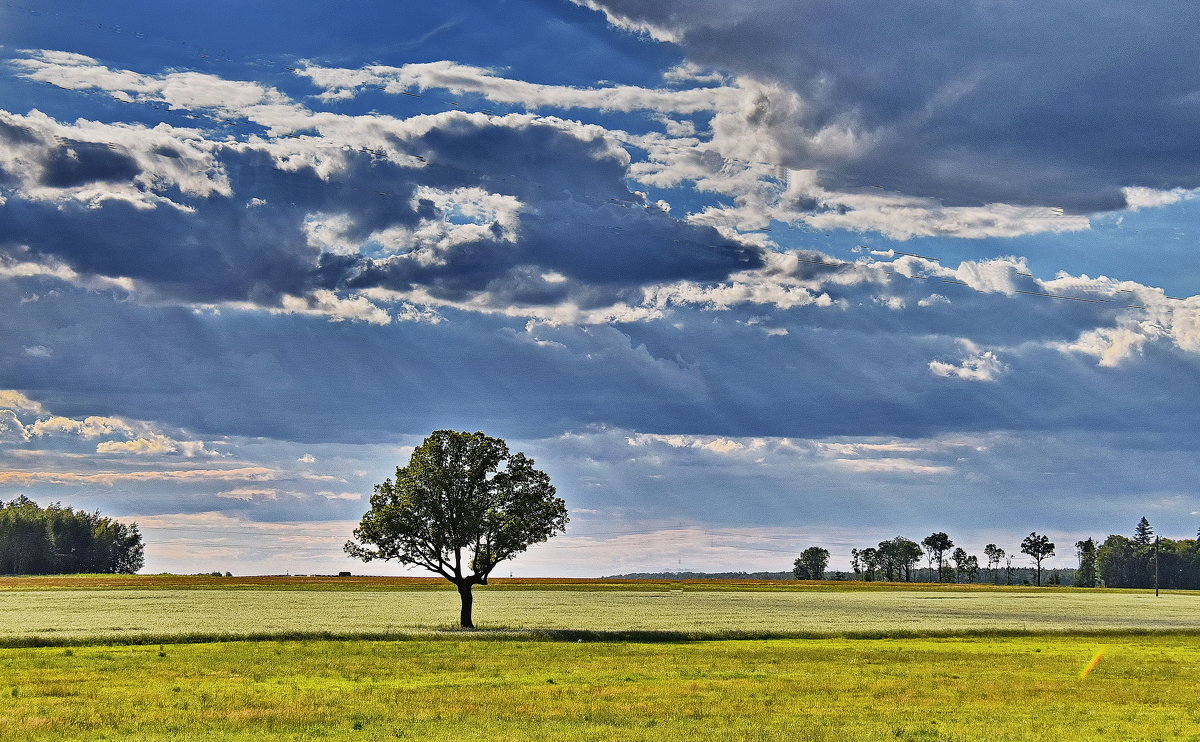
[
  {"x": 462, "y": 505},
  {"x": 1038, "y": 548},
  {"x": 811, "y": 564}
]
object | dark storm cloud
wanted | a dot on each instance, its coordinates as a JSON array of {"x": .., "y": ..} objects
[
  {"x": 14, "y": 133},
  {"x": 75, "y": 164},
  {"x": 1058, "y": 104},
  {"x": 603, "y": 251},
  {"x": 578, "y": 219}
]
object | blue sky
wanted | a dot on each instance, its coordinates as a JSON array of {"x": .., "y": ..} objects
[{"x": 742, "y": 278}]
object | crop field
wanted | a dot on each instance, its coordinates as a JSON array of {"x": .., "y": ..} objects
[
  {"x": 46, "y": 616},
  {"x": 139, "y": 658}
]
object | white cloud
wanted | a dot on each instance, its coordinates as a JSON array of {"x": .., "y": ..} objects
[
  {"x": 10, "y": 268},
  {"x": 1149, "y": 198},
  {"x": 88, "y": 427},
  {"x": 307, "y": 458},
  {"x": 156, "y": 444},
  {"x": 845, "y": 448},
  {"x": 1111, "y": 345},
  {"x": 805, "y": 201},
  {"x": 249, "y": 494},
  {"x": 163, "y": 158},
  {"x": 978, "y": 365},
  {"x": 326, "y": 303},
  {"x": 11, "y": 428},
  {"x": 125, "y": 437},
  {"x": 181, "y": 90},
  {"x": 756, "y": 128},
  {"x": 328, "y": 495},
  {"x": 465, "y": 215},
  {"x": 340, "y": 84},
  {"x": 892, "y": 466},
  {"x": 690, "y": 72},
  {"x": 716, "y": 445},
  {"x": 866, "y": 454},
  {"x": 14, "y": 400},
  {"x": 246, "y": 473}
]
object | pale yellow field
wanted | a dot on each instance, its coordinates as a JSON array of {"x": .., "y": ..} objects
[{"x": 54, "y": 614}]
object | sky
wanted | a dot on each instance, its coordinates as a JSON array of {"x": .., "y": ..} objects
[{"x": 742, "y": 278}]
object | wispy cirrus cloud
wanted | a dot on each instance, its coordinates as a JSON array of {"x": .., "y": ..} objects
[{"x": 249, "y": 473}]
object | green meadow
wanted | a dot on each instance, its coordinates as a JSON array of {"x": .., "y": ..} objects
[
  {"x": 1003, "y": 688},
  {"x": 592, "y": 661}
]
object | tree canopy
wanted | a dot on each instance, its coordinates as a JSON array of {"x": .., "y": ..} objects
[
  {"x": 897, "y": 557},
  {"x": 1129, "y": 562},
  {"x": 1085, "y": 576},
  {"x": 60, "y": 540},
  {"x": 461, "y": 505},
  {"x": 811, "y": 564},
  {"x": 937, "y": 544},
  {"x": 1038, "y": 547}
]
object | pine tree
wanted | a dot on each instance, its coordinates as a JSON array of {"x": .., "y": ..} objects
[{"x": 1143, "y": 534}]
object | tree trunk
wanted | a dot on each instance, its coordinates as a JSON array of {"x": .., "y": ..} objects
[{"x": 464, "y": 616}]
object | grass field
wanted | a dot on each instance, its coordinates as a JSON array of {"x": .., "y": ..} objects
[
  {"x": 32, "y": 616},
  {"x": 1015, "y": 688},
  {"x": 924, "y": 663}
]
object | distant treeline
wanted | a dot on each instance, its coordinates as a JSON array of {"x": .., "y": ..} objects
[
  {"x": 1148, "y": 561},
  {"x": 1142, "y": 560},
  {"x": 60, "y": 540},
  {"x": 701, "y": 576}
]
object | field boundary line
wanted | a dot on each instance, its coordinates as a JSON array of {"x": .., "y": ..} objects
[{"x": 565, "y": 636}]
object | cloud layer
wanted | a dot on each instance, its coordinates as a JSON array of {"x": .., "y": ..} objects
[
  {"x": 967, "y": 103},
  {"x": 782, "y": 273}
]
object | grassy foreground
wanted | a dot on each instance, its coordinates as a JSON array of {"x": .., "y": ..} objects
[
  {"x": 1015, "y": 688},
  {"x": 1008, "y": 666}
]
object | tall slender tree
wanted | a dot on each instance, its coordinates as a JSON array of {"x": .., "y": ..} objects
[
  {"x": 994, "y": 555},
  {"x": 938, "y": 544},
  {"x": 1085, "y": 576},
  {"x": 870, "y": 562},
  {"x": 1038, "y": 547},
  {"x": 965, "y": 565}
]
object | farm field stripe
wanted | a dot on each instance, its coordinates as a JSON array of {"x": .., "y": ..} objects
[{"x": 573, "y": 636}]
